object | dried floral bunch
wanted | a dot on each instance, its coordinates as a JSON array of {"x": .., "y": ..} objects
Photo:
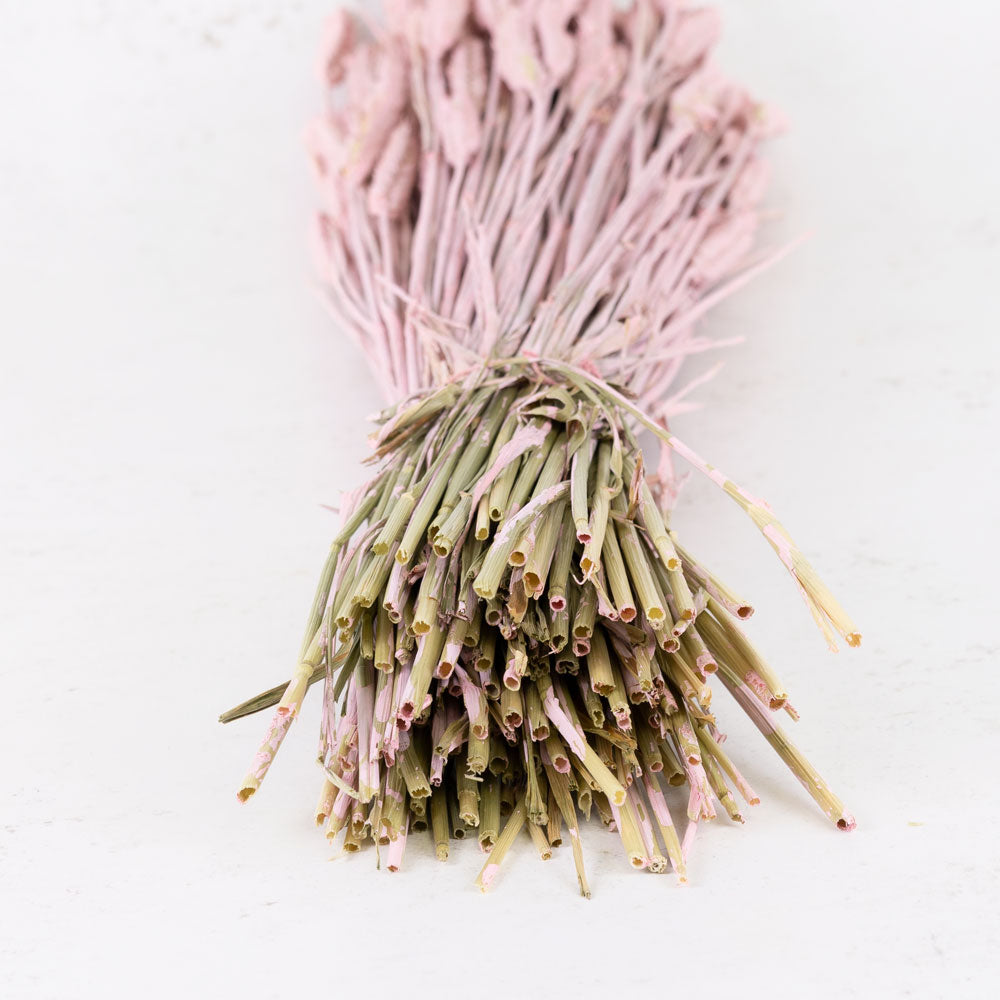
[{"x": 526, "y": 208}]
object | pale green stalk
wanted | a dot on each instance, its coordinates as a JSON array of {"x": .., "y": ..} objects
[
  {"x": 384, "y": 641},
  {"x": 479, "y": 445},
  {"x": 559, "y": 629},
  {"x": 687, "y": 741},
  {"x": 529, "y": 476},
  {"x": 697, "y": 652},
  {"x": 602, "y": 679},
  {"x": 690, "y": 686},
  {"x": 396, "y": 421},
  {"x": 583, "y": 752},
  {"x": 586, "y": 612},
  {"x": 516, "y": 665},
  {"x": 352, "y": 840},
  {"x": 536, "y": 567},
  {"x": 457, "y": 732},
  {"x": 511, "y": 707},
  {"x": 371, "y": 581},
  {"x": 487, "y": 650},
  {"x": 428, "y": 655},
  {"x": 454, "y": 643},
  {"x": 648, "y": 745},
  {"x": 591, "y": 699},
  {"x": 473, "y": 631},
  {"x": 483, "y": 516},
  {"x": 324, "y": 804},
  {"x": 489, "y": 813},
  {"x": 538, "y": 725},
  {"x": 650, "y": 599},
  {"x": 681, "y": 593},
  {"x": 524, "y": 546},
  {"x": 382, "y": 681},
  {"x": 341, "y": 602},
  {"x": 418, "y": 815},
  {"x": 517, "y": 599},
  {"x": 458, "y": 826},
  {"x": 503, "y": 844},
  {"x": 644, "y": 668},
  {"x": 271, "y": 697},
  {"x": 425, "y": 612},
  {"x": 426, "y": 507},
  {"x": 673, "y": 772},
  {"x": 414, "y": 775},
  {"x": 498, "y": 756},
  {"x": 617, "y": 577},
  {"x": 394, "y": 805},
  {"x": 499, "y": 493},
  {"x": 603, "y": 808},
  {"x": 665, "y": 826},
  {"x": 366, "y": 634},
  {"x": 721, "y": 790},
  {"x": 353, "y": 523},
  {"x": 561, "y": 563},
  {"x": 631, "y": 838},
  {"x": 534, "y": 799},
  {"x": 601, "y": 507},
  {"x": 540, "y": 841},
  {"x": 494, "y": 566},
  {"x": 395, "y": 522},
  {"x": 722, "y": 758},
  {"x": 560, "y": 789},
  {"x": 652, "y": 520},
  {"x": 334, "y": 825},
  {"x": 346, "y": 671},
  {"x": 500, "y": 490},
  {"x": 439, "y": 823},
  {"x": 617, "y": 696},
  {"x": 579, "y": 495},
  {"x": 468, "y": 798},
  {"x": 723, "y": 639},
  {"x": 567, "y": 663},
  {"x": 478, "y": 754},
  {"x": 553, "y": 832},
  {"x": 402, "y": 468},
  {"x": 482, "y": 529},
  {"x": 742, "y": 645},
  {"x": 454, "y": 526},
  {"x": 808, "y": 776},
  {"x": 734, "y": 604}
]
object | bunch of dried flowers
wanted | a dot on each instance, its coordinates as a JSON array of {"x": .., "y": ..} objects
[{"x": 527, "y": 206}]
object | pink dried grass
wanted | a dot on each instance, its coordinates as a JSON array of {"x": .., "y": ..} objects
[{"x": 544, "y": 198}]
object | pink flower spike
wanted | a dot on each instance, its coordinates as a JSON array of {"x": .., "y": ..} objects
[
  {"x": 339, "y": 36},
  {"x": 694, "y": 33},
  {"x": 444, "y": 24},
  {"x": 514, "y": 49},
  {"x": 396, "y": 172},
  {"x": 558, "y": 45}
]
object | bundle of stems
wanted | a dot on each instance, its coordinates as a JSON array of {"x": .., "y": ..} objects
[{"x": 527, "y": 207}]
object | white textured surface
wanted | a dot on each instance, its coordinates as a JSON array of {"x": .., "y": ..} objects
[{"x": 175, "y": 408}]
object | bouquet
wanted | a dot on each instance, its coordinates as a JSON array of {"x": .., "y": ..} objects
[{"x": 526, "y": 209}]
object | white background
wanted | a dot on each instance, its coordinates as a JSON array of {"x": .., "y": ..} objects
[{"x": 176, "y": 406}]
